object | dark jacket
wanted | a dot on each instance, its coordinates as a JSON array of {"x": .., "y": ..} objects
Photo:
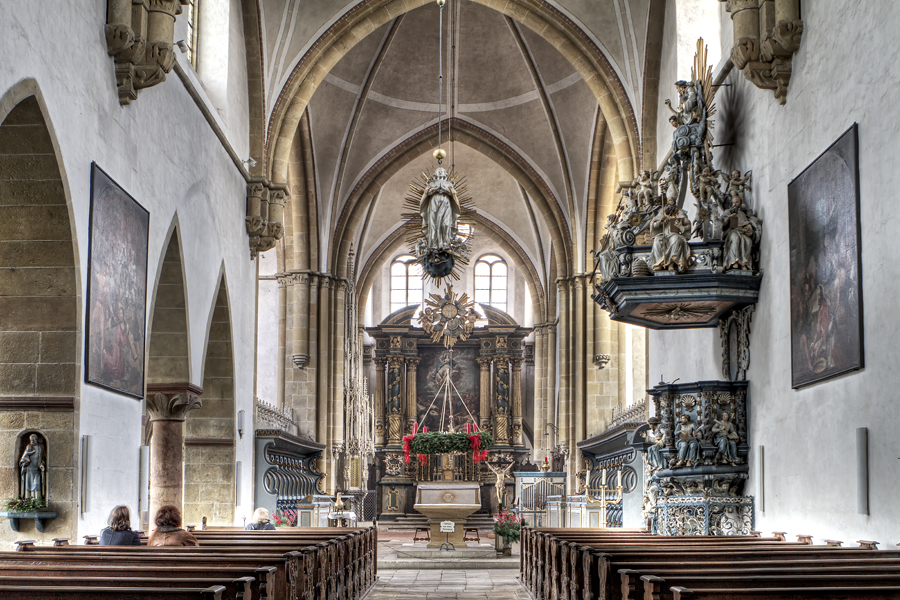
[
  {"x": 171, "y": 536},
  {"x": 260, "y": 527},
  {"x": 126, "y": 537}
]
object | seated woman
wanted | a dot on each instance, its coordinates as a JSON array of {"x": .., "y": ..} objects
[
  {"x": 119, "y": 532},
  {"x": 260, "y": 521},
  {"x": 168, "y": 530}
]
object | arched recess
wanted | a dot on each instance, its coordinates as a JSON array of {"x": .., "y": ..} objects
[
  {"x": 369, "y": 15},
  {"x": 350, "y": 223},
  {"x": 40, "y": 333},
  {"x": 169, "y": 358},
  {"x": 396, "y": 242},
  {"x": 209, "y": 431}
]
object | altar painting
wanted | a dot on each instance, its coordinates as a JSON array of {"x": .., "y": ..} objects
[{"x": 464, "y": 374}]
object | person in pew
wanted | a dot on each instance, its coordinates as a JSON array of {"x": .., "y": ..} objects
[
  {"x": 119, "y": 532},
  {"x": 260, "y": 521},
  {"x": 168, "y": 530}
]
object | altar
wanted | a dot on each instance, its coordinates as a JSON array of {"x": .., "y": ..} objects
[{"x": 448, "y": 501}]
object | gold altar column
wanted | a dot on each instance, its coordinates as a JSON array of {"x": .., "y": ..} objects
[
  {"x": 485, "y": 393},
  {"x": 501, "y": 414},
  {"x": 515, "y": 382},
  {"x": 411, "y": 408},
  {"x": 540, "y": 421},
  {"x": 380, "y": 364}
]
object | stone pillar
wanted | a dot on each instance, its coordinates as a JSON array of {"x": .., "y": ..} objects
[
  {"x": 515, "y": 382},
  {"x": 411, "y": 408},
  {"x": 578, "y": 400},
  {"x": 550, "y": 398},
  {"x": 282, "y": 333},
  {"x": 745, "y": 20},
  {"x": 380, "y": 364},
  {"x": 540, "y": 419},
  {"x": 300, "y": 330},
  {"x": 167, "y": 406},
  {"x": 338, "y": 336},
  {"x": 322, "y": 365},
  {"x": 485, "y": 393}
]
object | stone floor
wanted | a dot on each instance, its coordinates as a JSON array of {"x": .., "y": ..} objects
[
  {"x": 456, "y": 584},
  {"x": 393, "y": 556}
]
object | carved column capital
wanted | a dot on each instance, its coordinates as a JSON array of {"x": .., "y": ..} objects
[
  {"x": 172, "y": 401},
  {"x": 484, "y": 362}
]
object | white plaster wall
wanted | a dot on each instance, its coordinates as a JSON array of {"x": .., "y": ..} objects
[
  {"x": 162, "y": 151},
  {"x": 809, "y": 435}
]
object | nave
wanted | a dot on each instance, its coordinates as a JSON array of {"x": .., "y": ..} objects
[{"x": 448, "y": 584}]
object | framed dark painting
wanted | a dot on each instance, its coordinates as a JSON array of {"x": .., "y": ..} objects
[
  {"x": 117, "y": 288},
  {"x": 464, "y": 401},
  {"x": 826, "y": 268}
]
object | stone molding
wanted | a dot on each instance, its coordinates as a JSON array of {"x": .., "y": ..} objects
[
  {"x": 38, "y": 403},
  {"x": 209, "y": 442},
  {"x": 265, "y": 214},
  {"x": 172, "y": 401}
]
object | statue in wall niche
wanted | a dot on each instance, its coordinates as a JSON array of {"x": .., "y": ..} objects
[
  {"x": 670, "y": 247},
  {"x": 726, "y": 438},
  {"x": 657, "y": 437},
  {"x": 32, "y": 469},
  {"x": 687, "y": 440}
]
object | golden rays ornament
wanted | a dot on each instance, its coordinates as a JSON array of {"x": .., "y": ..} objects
[{"x": 449, "y": 317}]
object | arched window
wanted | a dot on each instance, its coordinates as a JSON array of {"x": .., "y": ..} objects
[
  {"x": 463, "y": 232},
  {"x": 406, "y": 282},
  {"x": 192, "y": 30},
  {"x": 491, "y": 276}
]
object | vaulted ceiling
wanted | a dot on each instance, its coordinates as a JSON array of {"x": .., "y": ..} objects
[{"x": 502, "y": 80}]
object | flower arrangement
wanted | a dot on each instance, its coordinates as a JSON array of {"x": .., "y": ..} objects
[
  {"x": 24, "y": 505},
  {"x": 437, "y": 442},
  {"x": 508, "y": 525},
  {"x": 282, "y": 519}
]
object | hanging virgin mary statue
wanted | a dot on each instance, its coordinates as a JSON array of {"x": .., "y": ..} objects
[{"x": 439, "y": 207}]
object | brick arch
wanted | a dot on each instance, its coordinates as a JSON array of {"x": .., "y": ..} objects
[
  {"x": 350, "y": 222},
  {"x": 397, "y": 241},
  {"x": 367, "y": 16}
]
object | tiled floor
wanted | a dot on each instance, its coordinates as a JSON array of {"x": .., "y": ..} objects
[{"x": 448, "y": 585}]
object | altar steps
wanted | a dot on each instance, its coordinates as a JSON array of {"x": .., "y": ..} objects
[{"x": 482, "y": 521}]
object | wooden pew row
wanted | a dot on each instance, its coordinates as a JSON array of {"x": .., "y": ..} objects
[
  {"x": 237, "y": 589},
  {"x": 19, "y": 592},
  {"x": 832, "y": 593},
  {"x": 176, "y": 576},
  {"x": 658, "y": 588},
  {"x": 335, "y": 569},
  {"x": 570, "y": 571}
]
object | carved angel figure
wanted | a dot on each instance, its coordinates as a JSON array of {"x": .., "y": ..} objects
[
  {"x": 737, "y": 185},
  {"x": 439, "y": 208},
  {"x": 644, "y": 185},
  {"x": 708, "y": 184},
  {"x": 657, "y": 437},
  {"x": 726, "y": 439},
  {"x": 670, "y": 247}
]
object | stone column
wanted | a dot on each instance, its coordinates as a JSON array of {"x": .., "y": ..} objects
[
  {"x": 282, "y": 336},
  {"x": 578, "y": 400},
  {"x": 380, "y": 364},
  {"x": 338, "y": 336},
  {"x": 167, "y": 406},
  {"x": 540, "y": 422},
  {"x": 322, "y": 365},
  {"x": 745, "y": 21},
  {"x": 484, "y": 416},
  {"x": 564, "y": 413},
  {"x": 550, "y": 400},
  {"x": 300, "y": 330},
  {"x": 515, "y": 382},
  {"x": 411, "y": 408}
]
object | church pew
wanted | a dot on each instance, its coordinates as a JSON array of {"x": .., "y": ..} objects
[
  {"x": 633, "y": 584},
  {"x": 19, "y": 592},
  {"x": 831, "y": 593},
  {"x": 262, "y": 585},
  {"x": 237, "y": 589},
  {"x": 658, "y": 588}
]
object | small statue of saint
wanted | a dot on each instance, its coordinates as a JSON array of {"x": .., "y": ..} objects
[
  {"x": 439, "y": 208},
  {"x": 687, "y": 441},
  {"x": 742, "y": 228},
  {"x": 33, "y": 465},
  {"x": 657, "y": 437},
  {"x": 670, "y": 247},
  {"x": 726, "y": 439}
]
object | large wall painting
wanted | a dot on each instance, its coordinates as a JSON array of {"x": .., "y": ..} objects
[
  {"x": 826, "y": 288},
  {"x": 117, "y": 288},
  {"x": 434, "y": 364}
]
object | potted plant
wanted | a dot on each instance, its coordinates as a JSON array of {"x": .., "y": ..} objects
[{"x": 508, "y": 529}]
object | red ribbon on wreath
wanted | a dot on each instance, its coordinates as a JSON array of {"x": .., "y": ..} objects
[
  {"x": 406, "y": 441},
  {"x": 475, "y": 444}
]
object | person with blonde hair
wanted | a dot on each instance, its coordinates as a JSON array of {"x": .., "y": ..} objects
[
  {"x": 119, "y": 532},
  {"x": 260, "y": 521}
]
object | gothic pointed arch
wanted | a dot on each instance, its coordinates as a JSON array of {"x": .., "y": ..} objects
[{"x": 169, "y": 358}]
